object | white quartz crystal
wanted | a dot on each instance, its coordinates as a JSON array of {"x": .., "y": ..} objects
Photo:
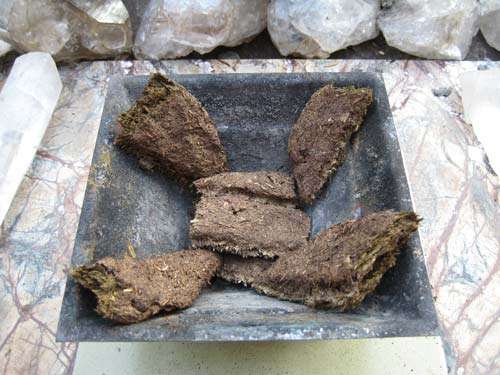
[
  {"x": 4, "y": 48},
  {"x": 172, "y": 28},
  {"x": 433, "y": 29},
  {"x": 480, "y": 98},
  {"x": 67, "y": 29},
  {"x": 490, "y": 22},
  {"x": 27, "y": 100},
  {"x": 317, "y": 28},
  {"x": 249, "y": 19}
]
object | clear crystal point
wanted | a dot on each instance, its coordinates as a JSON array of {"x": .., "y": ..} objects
[{"x": 27, "y": 100}]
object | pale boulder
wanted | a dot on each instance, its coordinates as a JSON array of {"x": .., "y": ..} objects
[
  {"x": 433, "y": 29},
  {"x": 67, "y": 29},
  {"x": 171, "y": 28},
  {"x": 318, "y": 28}
]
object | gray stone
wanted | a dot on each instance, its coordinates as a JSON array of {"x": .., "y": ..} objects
[
  {"x": 490, "y": 22},
  {"x": 67, "y": 29},
  {"x": 171, "y": 29},
  {"x": 431, "y": 29},
  {"x": 442, "y": 92},
  {"x": 320, "y": 27}
]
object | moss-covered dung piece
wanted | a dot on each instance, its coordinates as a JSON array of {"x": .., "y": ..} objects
[
  {"x": 337, "y": 269},
  {"x": 250, "y": 214},
  {"x": 319, "y": 139},
  {"x": 168, "y": 129},
  {"x": 129, "y": 290}
]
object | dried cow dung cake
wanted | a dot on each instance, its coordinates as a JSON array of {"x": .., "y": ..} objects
[
  {"x": 250, "y": 214},
  {"x": 169, "y": 130},
  {"x": 239, "y": 224},
  {"x": 319, "y": 139},
  {"x": 129, "y": 290},
  {"x": 270, "y": 185},
  {"x": 337, "y": 269},
  {"x": 246, "y": 271}
]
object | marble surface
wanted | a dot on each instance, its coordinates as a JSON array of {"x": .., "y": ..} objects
[{"x": 451, "y": 183}]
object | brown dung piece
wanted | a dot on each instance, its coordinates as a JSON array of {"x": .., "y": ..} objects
[
  {"x": 250, "y": 214},
  {"x": 339, "y": 267},
  {"x": 129, "y": 290},
  {"x": 246, "y": 271},
  {"x": 271, "y": 185},
  {"x": 168, "y": 129},
  {"x": 319, "y": 139},
  {"x": 243, "y": 225}
]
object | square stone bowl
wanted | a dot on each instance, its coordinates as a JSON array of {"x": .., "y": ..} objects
[{"x": 254, "y": 114}]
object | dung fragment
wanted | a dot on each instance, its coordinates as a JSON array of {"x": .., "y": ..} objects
[
  {"x": 269, "y": 185},
  {"x": 319, "y": 139},
  {"x": 245, "y": 271},
  {"x": 249, "y": 214},
  {"x": 129, "y": 290},
  {"x": 337, "y": 269},
  {"x": 167, "y": 129},
  {"x": 131, "y": 251}
]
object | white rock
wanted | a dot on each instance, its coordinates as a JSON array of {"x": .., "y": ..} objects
[
  {"x": 480, "y": 93},
  {"x": 490, "y": 22},
  {"x": 4, "y": 48},
  {"x": 27, "y": 100},
  {"x": 433, "y": 29},
  {"x": 319, "y": 27},
  {"x": 68, "y": 29},
  {"x": 249, "y": 20},
  {"x": 171, "y": 28}
]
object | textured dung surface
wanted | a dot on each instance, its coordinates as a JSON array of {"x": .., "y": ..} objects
[
  {"x": 167, "y": 129},
  {"x": 343, "y": 263},
  {"x": 337, "y": 269},
  {"x": 254, "y": 114},
  {"x": 272, "y": 185},
  {"x": 245, "y": 271},
  {"x": 319, "y": 139},
  {"x": 244, "y": 225},
  {"x": 130, "y": 290}
]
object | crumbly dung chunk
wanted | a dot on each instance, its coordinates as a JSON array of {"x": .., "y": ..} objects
[
  {"x": 319, "y": 138},
  {"x": 167, "y": 129},
  {"x": 129, "y": 290},
  {"x": 339, "y": 267},
  {"x": 246, "y": 271},
  {"x": 269, "y": 185},
  {"x": 249, "y": 227}
]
